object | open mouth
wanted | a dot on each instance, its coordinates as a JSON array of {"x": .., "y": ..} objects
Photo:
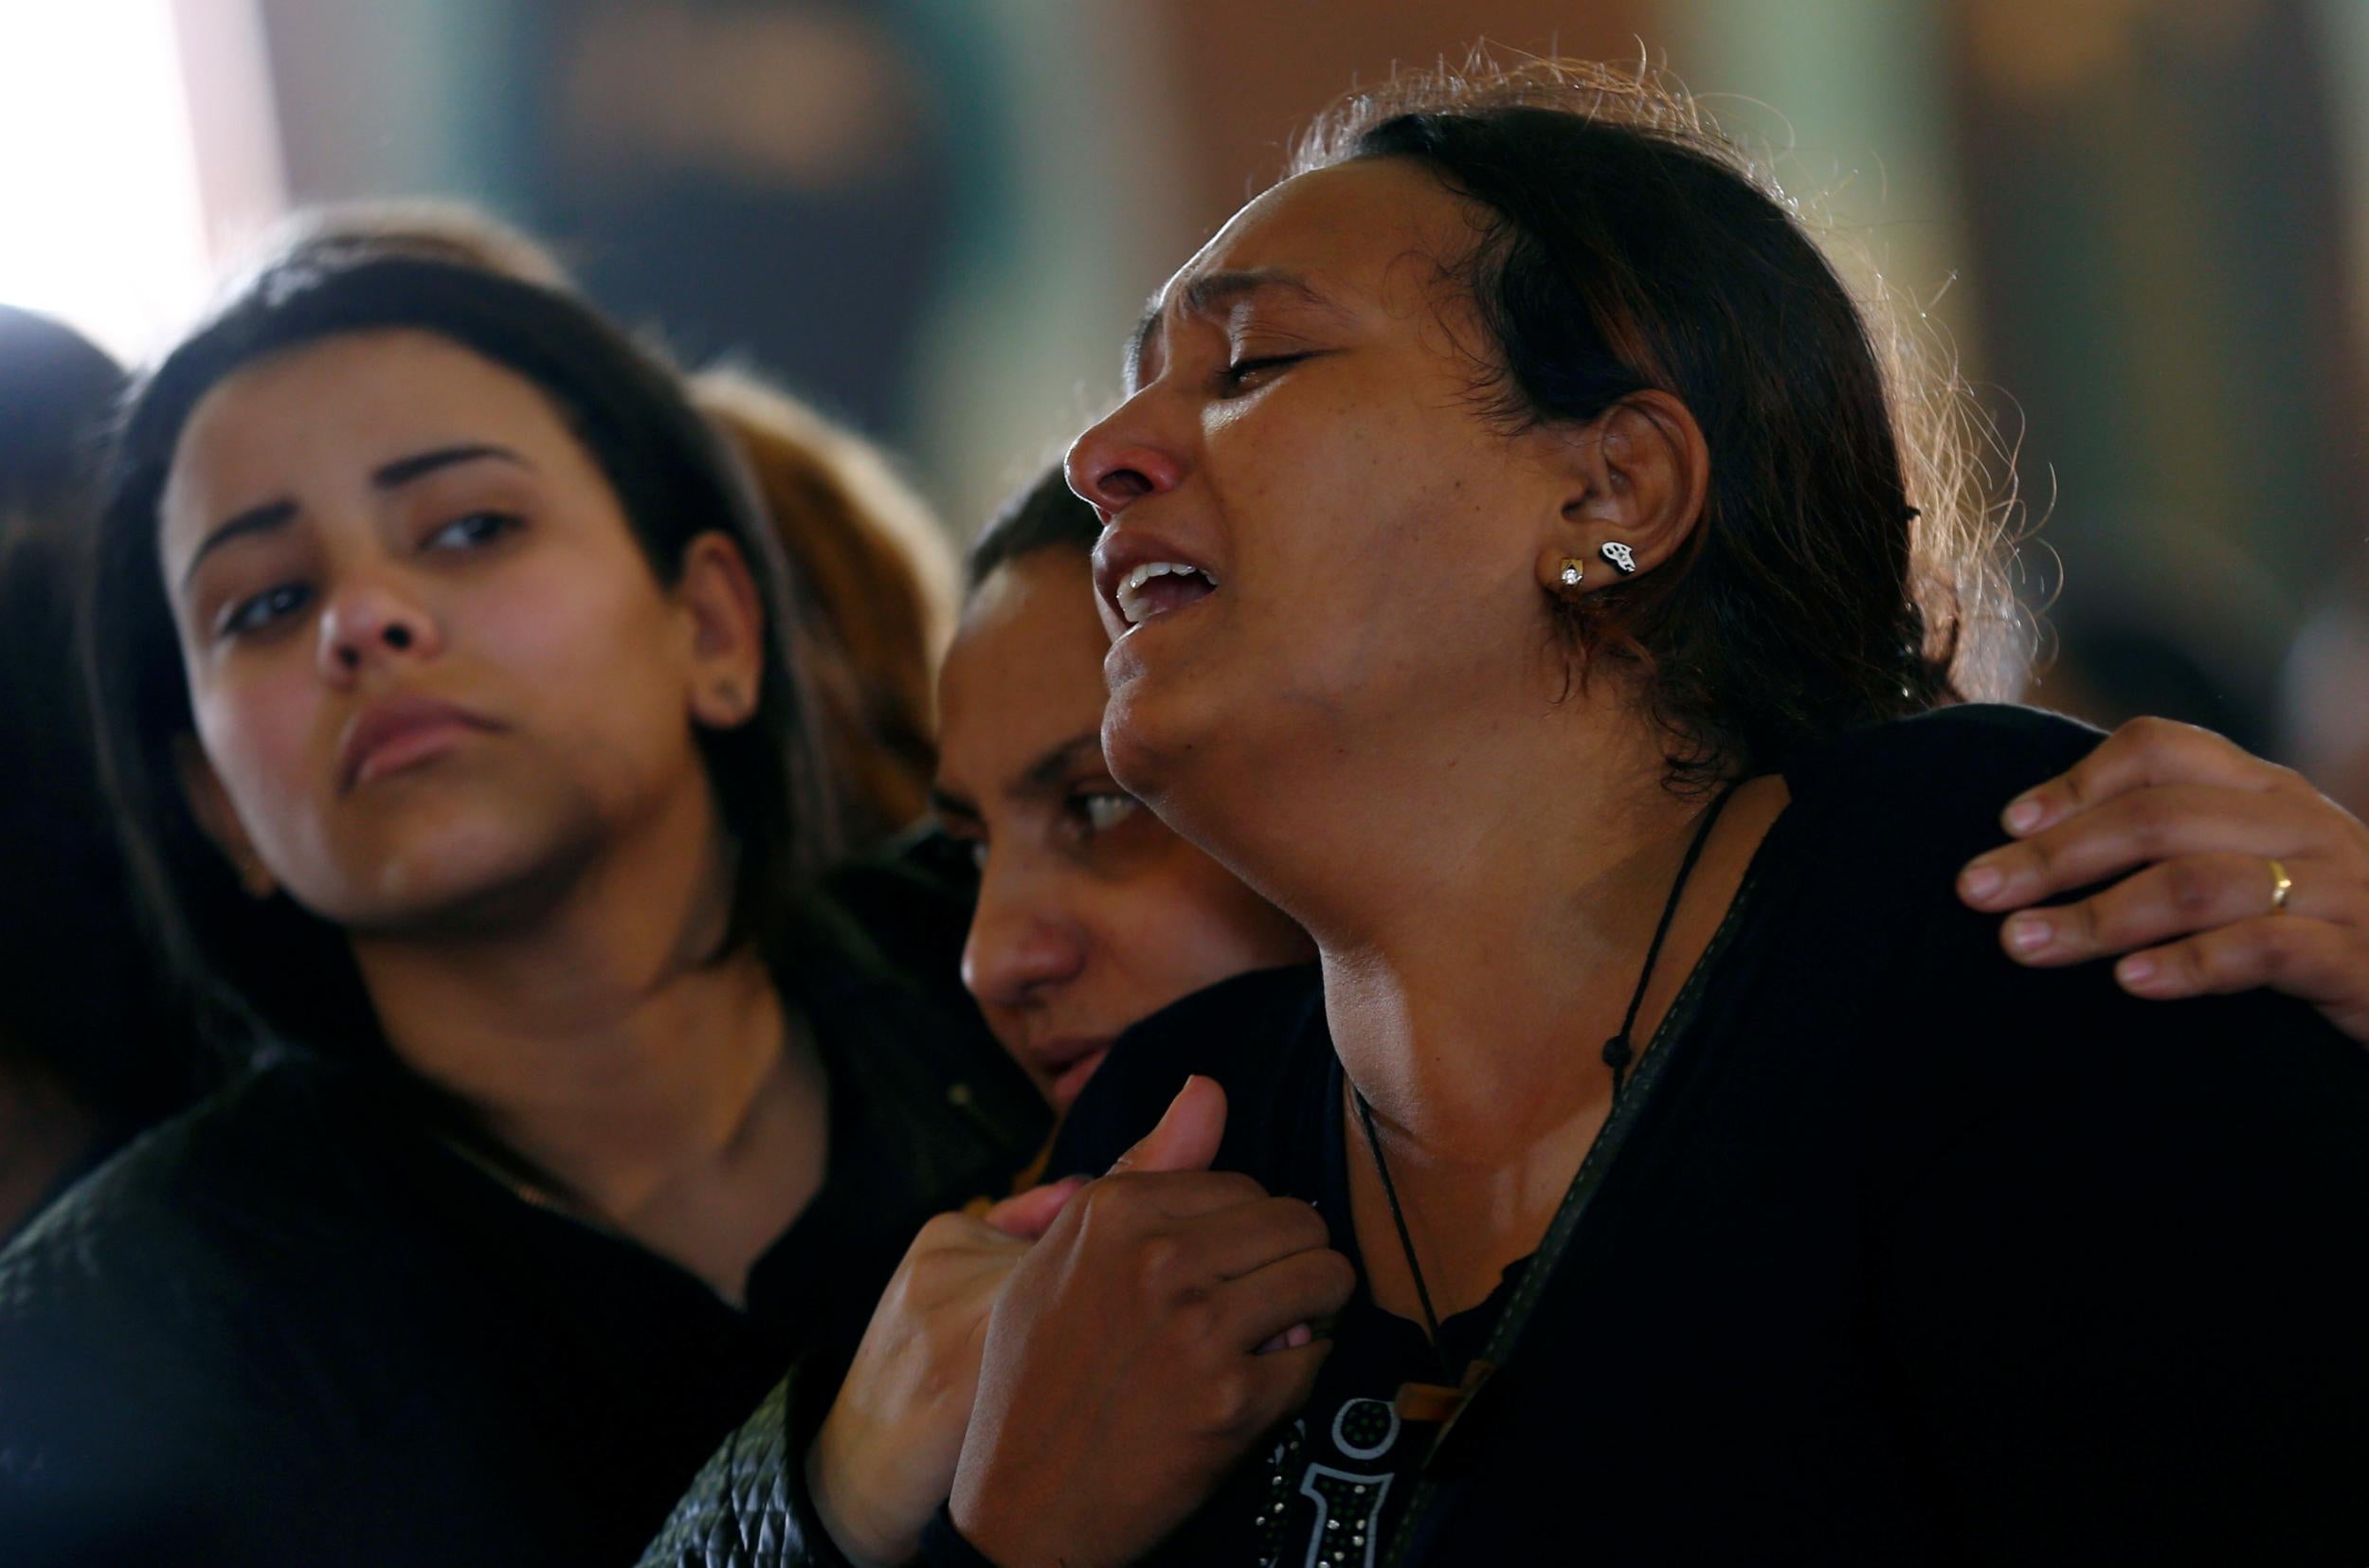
[{"x": 1156, "y": 588}]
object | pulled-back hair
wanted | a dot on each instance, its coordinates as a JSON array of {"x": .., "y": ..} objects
[
  {"x": 273, "y": 964},
  {"x": 1844, "y": 568},
  {"x": 1046, "y": 516}
]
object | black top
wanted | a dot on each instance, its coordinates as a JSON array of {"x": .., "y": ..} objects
[
  {"x": 295, "y": 1325},
  {"x": 1904, "y": 1253}
]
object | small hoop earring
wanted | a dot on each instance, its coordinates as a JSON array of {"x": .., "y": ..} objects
[
  {"x": 1623, "y": 560},
  {"x": 1571, "y": 573}
]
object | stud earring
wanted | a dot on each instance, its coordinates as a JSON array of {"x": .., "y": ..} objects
[
  {"x": 1571, "y": 572},
  {"x": 1623, "y": 560}
]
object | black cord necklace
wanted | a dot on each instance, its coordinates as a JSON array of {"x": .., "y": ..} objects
[{"x": 1617, "y": 1055}]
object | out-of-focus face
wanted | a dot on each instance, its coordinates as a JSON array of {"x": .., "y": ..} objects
[
  {"x": 430, "y": 668},
  {"x": 1303, "y": 433},
  {"x": 1092, "y": 915}
]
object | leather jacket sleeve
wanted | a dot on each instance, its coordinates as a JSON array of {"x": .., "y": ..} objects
[{"x": 748, "y": 1507}]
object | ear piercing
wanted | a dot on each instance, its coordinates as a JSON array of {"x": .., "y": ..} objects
[
  {"x": 1571, "y": 572},
  {"x": 1622, "y": 557}
]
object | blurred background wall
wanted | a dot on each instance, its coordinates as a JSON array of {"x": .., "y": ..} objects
[{"x": 2141, "y": 226}]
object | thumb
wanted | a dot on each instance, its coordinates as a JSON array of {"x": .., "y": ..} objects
[
  {"x": 1029, "y": 1215},
  {"x": 1186, "y": 1137}
]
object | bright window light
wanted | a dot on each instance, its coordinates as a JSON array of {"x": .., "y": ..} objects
[{"x": 100, "y": 218}]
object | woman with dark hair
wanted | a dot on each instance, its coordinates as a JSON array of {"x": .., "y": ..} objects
[
  {"x": 442, "y": 671},
  {"x": 1093, "y": 914},
  {"x": 1524, "y": 574}
]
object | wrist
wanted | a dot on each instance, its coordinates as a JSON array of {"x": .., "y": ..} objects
[
  {"x": 997, "y": 1524},
  {"x": 944, "y": 1545},
  {"x": 855, "y": 1527}
]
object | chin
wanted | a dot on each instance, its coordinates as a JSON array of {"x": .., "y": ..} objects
[
  {"x": 466, "y": 875},
  {"x": 1184, "y": 749},
  {"x": 1139, "y": 743}
]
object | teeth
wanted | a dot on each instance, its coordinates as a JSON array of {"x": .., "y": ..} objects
[{"x": 1133, "y": 607}]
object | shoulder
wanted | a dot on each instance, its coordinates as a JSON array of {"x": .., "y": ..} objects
[
  {"x": 151, "y": 1317},
  {"x": 229, "y": 1168},
  {"x": 1902, "y": 806},
  {"x": 1960, "y": 764},
  {"x": 1881, "y": 821},
  {"x": 174, "y": 1241},
  {"x": 1252, "y": 1033}
]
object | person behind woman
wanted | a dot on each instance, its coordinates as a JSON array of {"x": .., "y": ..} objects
[
  {"x": 1523, "y": 576},
  {"x": 444, "y": 681},
  {"x": 1092, "y": 915},
  {"x": 90, "y": 1049}
]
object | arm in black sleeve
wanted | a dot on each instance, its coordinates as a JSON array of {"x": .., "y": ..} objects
[
  {"x": 2122, "y": 1279},
  {"x": 750, "y": 1506}
]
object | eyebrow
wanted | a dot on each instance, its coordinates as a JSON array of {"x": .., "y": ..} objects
[
  {"x": 1211, "y": 293},
  {"x": 395, "y": 476},
  {"x": 945, "y": 802},
  {"x": 1046, "y": 771},
  {"x": 266, "y": 518},
  {"x": 273, "y": 516},
  {"x": 1037, "y": 778}
]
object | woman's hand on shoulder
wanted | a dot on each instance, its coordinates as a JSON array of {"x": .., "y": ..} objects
[
  {"x": 2193, "y": 831},
  {"x": 884, "y": 1458}
]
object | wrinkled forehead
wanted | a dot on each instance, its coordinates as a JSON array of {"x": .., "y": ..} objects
[{"x": 1340, "y": 238}]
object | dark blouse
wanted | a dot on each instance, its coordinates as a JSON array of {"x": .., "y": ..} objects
[
  {"x": 1905, "y": 1254},
  {"x": 294, "y": 1326}
]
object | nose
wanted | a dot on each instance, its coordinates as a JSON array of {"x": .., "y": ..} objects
[
  {"x": 371, "y": 620},
  {"x": 1122, "y": 459},
  {"x": 1022, "y": 946}
]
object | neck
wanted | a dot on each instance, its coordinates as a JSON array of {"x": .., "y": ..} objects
[
  {"x": 1473, "y": 971},
  {"x": 1482, "y": 926},
  {"x": 1472, "y": 1014},
  {"x": 603, "y": 1040}
]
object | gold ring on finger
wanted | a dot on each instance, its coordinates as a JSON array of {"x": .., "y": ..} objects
[{"x": 2281, "y": 884}]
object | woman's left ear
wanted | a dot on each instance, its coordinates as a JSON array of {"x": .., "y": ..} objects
[
  {"x": 1638, "y": 477},
  {"x": 718, "y": 594}
]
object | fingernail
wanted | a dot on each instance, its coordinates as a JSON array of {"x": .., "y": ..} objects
[
  {"x": 1297, "y": 1335},
  {"x": 2140, "y": 973},
  {"x": 2024, "y": 815},
  {"x": 1981, "y": 880},
  {"x": 2028, "y": 932}
]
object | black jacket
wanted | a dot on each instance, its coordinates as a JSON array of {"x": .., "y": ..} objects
[
  {"x": 295, "y": 1325},
  {"x": 1906, "y": 1255}
]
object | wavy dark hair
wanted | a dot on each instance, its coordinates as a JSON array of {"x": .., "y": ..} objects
[
  {"x": 273, "y": 964},
  {"x": 1845, "y": 568}
]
